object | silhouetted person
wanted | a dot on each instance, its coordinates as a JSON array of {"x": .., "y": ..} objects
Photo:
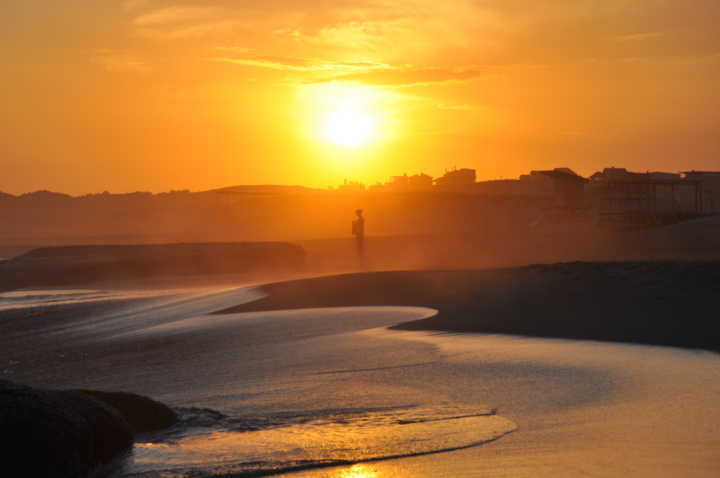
[{"x": 358, "y": 230}]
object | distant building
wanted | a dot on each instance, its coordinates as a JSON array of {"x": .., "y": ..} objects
[
  {"x": 351, "y": 187},
  {"x": 416, "y": 182},
  {"x": 644, "y": 197},
  {"x": 457, "y": 180},
  {"x": 623, "y": 175},
  {"x": 559, "y": 187},
  {"x": 568, "y": 188},
  {"x": 663, "y": 176},
  {"x": 618, "y": 175}
]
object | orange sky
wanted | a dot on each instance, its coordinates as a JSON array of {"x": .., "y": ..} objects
[{"x": 181, "y": 94}]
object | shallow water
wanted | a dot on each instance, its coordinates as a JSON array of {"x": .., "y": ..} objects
[
  {"x": 336, "y": 438},
  {"x": 32, "y": 298},
  {"x": 273, "y": 392}
]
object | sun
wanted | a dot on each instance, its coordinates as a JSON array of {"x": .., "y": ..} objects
[
  {"x": 347, "y": 116},
  {"x": 350, "y": 128}
]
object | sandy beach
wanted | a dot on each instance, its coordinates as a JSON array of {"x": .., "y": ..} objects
[
  {"x": 658, "y": 303},
  {"x": 305, "y": 376}
]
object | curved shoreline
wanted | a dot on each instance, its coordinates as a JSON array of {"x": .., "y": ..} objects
[{"x": 653, "y": 303}]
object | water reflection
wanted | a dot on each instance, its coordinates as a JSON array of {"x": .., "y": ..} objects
[
  {"x": 359, "y": 471},
  {"x": 331, "y": 440}
]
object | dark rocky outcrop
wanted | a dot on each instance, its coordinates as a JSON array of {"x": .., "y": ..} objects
[
  {"x": 142, "y": 413},
  {"x": 58, "y": 434}
]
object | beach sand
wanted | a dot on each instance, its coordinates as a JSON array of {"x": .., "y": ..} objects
[
  {"x": 314, "y": 358},
  {"x": 658, "y": 303}
]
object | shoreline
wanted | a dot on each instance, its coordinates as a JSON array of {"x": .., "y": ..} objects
[
  {"x": 262, "y": 365},
  {"x": 653, "y": 303}
]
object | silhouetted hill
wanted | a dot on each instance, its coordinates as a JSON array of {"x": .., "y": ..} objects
[
  {"x": 263, "y": 189},
  {"x": 5, "y": 196},
  {"x": 44, "y": 195}
]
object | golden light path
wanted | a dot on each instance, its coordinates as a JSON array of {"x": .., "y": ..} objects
[{"x": 358, "y": 471}]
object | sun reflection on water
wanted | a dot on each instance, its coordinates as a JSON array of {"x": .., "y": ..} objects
[{"x": 358, "y": 471}]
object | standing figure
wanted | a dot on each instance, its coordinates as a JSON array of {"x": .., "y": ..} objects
[{"x": 358, "y": 230}]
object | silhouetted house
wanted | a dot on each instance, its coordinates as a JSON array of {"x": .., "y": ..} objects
[
  {"x": 420, "y": 181},
  {"x": 568, "y": 188},
  {"x": 618, "y": 175},
  {"x": 559, "y": 187},
  {"x": 457, "y": 180},
  {"x": 405, "y": 183}
]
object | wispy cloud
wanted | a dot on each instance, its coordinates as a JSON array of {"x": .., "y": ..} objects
[
  {"x": 369, "y": 73},
  {"x": 409, "y": 76},
  {"x": 303, "y": 65}
]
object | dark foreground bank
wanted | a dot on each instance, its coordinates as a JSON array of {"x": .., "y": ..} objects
[{"x": 658, "y": 303}]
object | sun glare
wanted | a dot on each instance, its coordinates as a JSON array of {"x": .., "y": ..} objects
[
  {"x": 348, "y": 116},
  {"x": 349, "y": 128}
]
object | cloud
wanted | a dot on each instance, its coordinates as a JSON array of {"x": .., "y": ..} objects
[
  {"x": 463, "y": 32},
  {"x": 369, "y": 73},
  {"x": 302, "y": 65},
  {"x": 409, "y": 76}
]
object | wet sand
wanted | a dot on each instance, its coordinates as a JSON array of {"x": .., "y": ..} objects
[
  {"x": 656, "y": 303},
  {"x": 580, "y": 407}
]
